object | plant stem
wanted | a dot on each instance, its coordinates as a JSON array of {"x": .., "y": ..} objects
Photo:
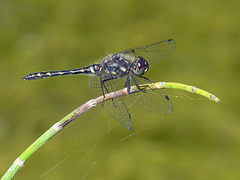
[{"x": 19, "y": 162}]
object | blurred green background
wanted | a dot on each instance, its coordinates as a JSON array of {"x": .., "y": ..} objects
[{"x": 200, "y": 140}]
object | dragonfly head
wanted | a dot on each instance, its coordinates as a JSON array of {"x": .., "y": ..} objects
[{"x": 140, "y": 66}]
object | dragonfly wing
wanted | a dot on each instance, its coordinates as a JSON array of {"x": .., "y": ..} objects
[
  {"x": 116, "y": 108},
  {"x": 153, "y": 52},
  {"x": 155, "y": 101}
]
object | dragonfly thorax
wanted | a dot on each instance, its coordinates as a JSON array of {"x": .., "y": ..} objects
[
  {"x": 140, "y": 66},
  {"x": 117, "y": 65}
]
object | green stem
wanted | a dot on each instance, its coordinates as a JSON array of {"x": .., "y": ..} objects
[{"x": 19, "y": 162}]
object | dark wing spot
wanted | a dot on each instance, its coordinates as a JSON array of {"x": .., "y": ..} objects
[
  {"x": 170, "y": 40},
  {"x": 133, "y": 51},
  {"x": 167, "y": 98}
]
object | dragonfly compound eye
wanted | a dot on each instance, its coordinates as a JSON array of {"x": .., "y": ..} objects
[{"x": 140, "y": 66}]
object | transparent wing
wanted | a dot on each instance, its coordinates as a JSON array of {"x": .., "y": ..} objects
[
  {"x": 155, "y": 101},
  {"x": 153, "y": 52},
  {"x": 116, "y": 108}
]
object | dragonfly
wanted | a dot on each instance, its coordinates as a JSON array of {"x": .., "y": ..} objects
[{"x": 123, "y": 70}]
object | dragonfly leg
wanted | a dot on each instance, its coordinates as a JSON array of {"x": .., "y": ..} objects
[
  {"x": 147, "y": 79},
  {"x": 141, "y": 88},
  {"x": 127, "y": 84},
  {"x": 104, "y": 86}
]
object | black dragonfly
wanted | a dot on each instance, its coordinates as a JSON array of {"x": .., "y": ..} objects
[{"x": 120, "y": 70}]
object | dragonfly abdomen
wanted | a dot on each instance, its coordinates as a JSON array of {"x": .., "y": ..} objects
[{"x": 92, "y": 69}]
